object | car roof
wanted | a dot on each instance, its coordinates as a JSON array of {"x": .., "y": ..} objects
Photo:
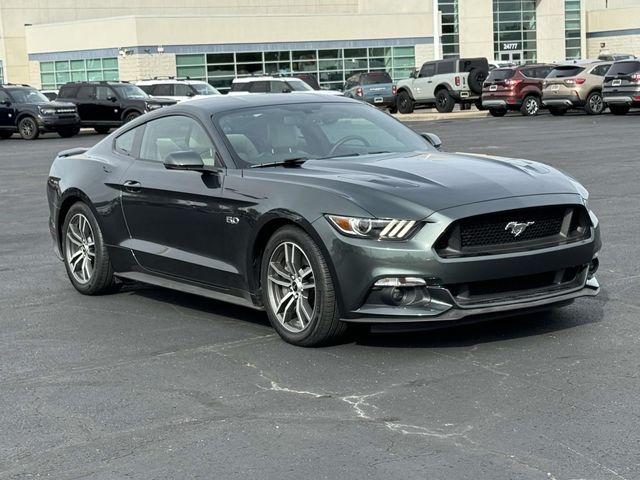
[
  {"x": 167, "y": 80},
  {"x": 264, "y": 77}
]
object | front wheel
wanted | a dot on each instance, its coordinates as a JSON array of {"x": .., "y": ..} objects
[
  {"x": 594, "y": 104},
  {"x": 86, "y": 258},
  {"x": 28, "y": 128},
  {"x": 619, "y": 109},
  {"x": 530, "y": 106},
  {"x": 131, "y": 116},
  {"x": 444, "y": 102},
  {"x": 298, "y": 291}
]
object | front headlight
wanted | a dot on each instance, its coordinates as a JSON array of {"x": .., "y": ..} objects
[
  {"x": 373, "y": 228},
  {"x": 47, "y": 111},
  {"x": 153, "y": 106}
]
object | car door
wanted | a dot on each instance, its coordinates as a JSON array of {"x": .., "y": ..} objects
[
  {"x": 423, "y": 86},
  {"x": 7, "y": 115},
  {"x": 177, "y": 218},
  {"x": 86, "y": 103},
  {"x": 107, "y": 105}
]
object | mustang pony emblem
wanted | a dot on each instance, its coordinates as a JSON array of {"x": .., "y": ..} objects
[{"x": 517, "y": 228}]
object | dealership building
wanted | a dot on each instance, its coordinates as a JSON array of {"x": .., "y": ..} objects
[{"x": 46, "y": 43}]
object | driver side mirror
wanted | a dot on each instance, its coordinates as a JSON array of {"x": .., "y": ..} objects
[
  {"x": 6, "y": 102},
  {"x": 111, "y": 98},
  {"x": 184, "y": 160},
  {"x": 433, "y": 140},
  {"x": 286, "y": 90},
  {"x": 414, "y": 74}
]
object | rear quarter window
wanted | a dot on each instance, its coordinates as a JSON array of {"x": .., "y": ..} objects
[{"x": 124, "y": 143}]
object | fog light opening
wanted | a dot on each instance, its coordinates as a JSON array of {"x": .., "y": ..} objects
[{"x": 405, "y": 296}]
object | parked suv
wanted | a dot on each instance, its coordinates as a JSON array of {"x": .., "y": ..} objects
[
  {"x": 621, "y": 88},
  {"x": 26, "y": 111},
  {"x": 268, "y": 84},
  {"x": 443, "y": 83},
  {"x": 106, "y": 105},
  {"x": 178, "y": 90},
  {"x": 575, "y": 86},
  {"x": 375, "y": 87},
  {"x": 515, "y": 88}
]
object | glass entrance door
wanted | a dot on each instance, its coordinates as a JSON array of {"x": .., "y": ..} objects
[{"x": 514, "y": 57}]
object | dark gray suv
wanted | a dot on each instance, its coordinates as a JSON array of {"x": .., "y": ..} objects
[{"x": 621, "y": 88}]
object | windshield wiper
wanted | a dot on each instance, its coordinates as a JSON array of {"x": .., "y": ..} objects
[{"x": 287, "y": 162}]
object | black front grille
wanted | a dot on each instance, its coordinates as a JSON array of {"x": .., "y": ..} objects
[{"x": 514, "y": 230}]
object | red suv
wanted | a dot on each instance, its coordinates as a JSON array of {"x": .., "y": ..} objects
[{"x": 514, "y": 88}]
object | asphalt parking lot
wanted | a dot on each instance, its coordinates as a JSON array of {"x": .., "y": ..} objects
[{"x": 149, "y": 383}]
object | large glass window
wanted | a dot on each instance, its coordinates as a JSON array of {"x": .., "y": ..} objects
[
  {"x": 331, "y": 66},
  {"x": 572, "y": 26},
  {"x": 55, "y": 74},
  {"x": 1, "y": 73},
  {"x": 450, "y": 36},
  {"x": 514, "y": 30}
]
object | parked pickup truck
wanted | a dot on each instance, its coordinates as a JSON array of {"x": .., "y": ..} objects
[{"x": 443, "y": 83}]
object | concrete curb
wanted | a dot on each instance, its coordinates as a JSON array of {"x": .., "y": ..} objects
[{"x": 431, "y": 116}]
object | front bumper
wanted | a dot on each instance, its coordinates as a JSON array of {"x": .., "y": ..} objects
[
  {"x": 358, "y": 264},
  {"x": 54, "y": 123}
]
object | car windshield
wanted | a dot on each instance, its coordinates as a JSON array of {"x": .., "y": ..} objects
[
  {"x": 27, "y": 95},
  {"x": 275, "y": 133},
  {"x": 131, "y": 91},
  {"x": 500, "y": 74},
  {"x": 563, "y": 72},
  {"x": 623, "y": 68},
  {"x": 205, "y": 89},
  {"x": 299, "y": 85}
]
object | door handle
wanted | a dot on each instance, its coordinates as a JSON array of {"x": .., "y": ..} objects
[{"x": 132, "y": 186}]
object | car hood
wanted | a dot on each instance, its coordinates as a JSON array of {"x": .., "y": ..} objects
[
  {"x": 56, "y": 104},
  {"x": 161, "y": 101},
  {"x": 416, "y": 185}
]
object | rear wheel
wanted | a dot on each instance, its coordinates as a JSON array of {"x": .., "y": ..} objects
[
  {"x": 5, "y": 135},
  {"x": 444, "y": 101},
  {"x": 393, "y": 109},
  {"x": 404, "y": 102},
  {"x": 619, "y": 109},
  {"x": 69, "y": 132},
  {"x": 594, "y": 104},
  {"x": 298, "y": 290},
  {"x": 557, "y": 111},
  {"x": 530, "y": 106},
  {"x": 28, "y": 128},
  {"x": 86, "y": 258},
  {"x": 495, "y": 112},
  {"x": 102, "y": 130}
]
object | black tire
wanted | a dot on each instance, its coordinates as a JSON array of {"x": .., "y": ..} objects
[
  {"x": 497, "y": 112},
  {"x": 102, "y": 130},
  {"x": 28, "y": 128},
  {"x": 594, "y": 104},
  {"x": 557, "y": 111},
  {"x": 404, "y": 102},
  {"x": 478, "y": 104},
  {"x": 131, "y": 116},
  {"x": 5, "y": 135},
  {"x": 101, "y": 279},
  {"x": 444, "y": 101},
  {"x": 530, "y": 106},
  {"x": 393, "y": 109},
  {"x": 324, "y": 326},
  {"x": 619, "y": 109},
  {"x": 476, "y": 79},
  {"x": 71, "y": 132}
]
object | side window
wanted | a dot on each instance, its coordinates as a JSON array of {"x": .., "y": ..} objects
[
  {"x": 161, "y": 89},
  {"x": 104, "y": 93},
  {"x": 87, "y": 92},
  {"x": 182, "y": 90},
  {"x": 146, "y": 89},
  {"x": 125, "y": 142},
  {"x": 600, "y": 70},
  {"x": 259, "y": 87},
  {"x": 445, "y": 67},
  {"x": 542, "y": 72},
  {"x": 280, "y": 87},
  {"x": 529, "y": 72},
  {"x": 68, "y": 92},
  {"x": 176, "y": 134},
  {"x": 428, "y": 70}
]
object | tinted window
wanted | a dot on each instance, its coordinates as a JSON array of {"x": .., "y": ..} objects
[
  {"x": 466, "y": 65},
  {"x": 104, "y": 93},
  {"x": 176, "y": 134},
  {"x": 601, "y": 70},
  {"x": 280, "y": 87},
  {"x": 146, "y": 89},
  {"x": 240, "y": 86},
  {"x": 375, "y": 78},
  {"x": 543, "y": 72},
  {"x": 446, "y": 67},
  {"x": 86, "y": 92},
  {"x": 3, "y": 97},
  {"x": 567, "y": 71},
  {"x": 259, "y": 87},
  {"x": 500, "y": 74},
  {"x": 163, "y": 89},
  {"x": 27, "y": 95},
  {"x": 624, "y": 68},
  {"x": 124, "y": 143},
  {"x": 68, "y": 91},
  {"x": 182, "y": 90},
  {"x": 428, "y": 70}
]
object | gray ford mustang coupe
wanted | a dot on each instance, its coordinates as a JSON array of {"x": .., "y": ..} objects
[{"x": 324, "y": 212}]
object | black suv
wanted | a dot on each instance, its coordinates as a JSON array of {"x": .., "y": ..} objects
[
  {"x": 105, "y": 105},
  {"x": 26, "y": 111}
]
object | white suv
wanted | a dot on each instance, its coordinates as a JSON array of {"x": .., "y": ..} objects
[
  {"x": 179, "y": 90},
  {"x": 250, "y": 85}
]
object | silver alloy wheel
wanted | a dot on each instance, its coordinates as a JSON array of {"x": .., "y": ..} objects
[
  {"x": 291, "y": 288},
  {"x": 532, "y": 106},
  {"x": 596, "y": 104},
  {"x": 27, "y": 127},
  {"x": 80, "y": 248}
]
